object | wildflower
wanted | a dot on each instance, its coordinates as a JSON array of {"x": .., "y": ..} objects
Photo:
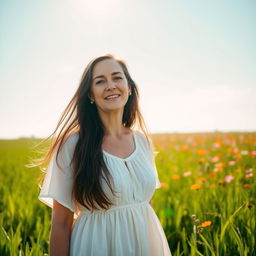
[
  {"x": 228, "y": 178},
  {"x": 246, "y": 185},
  {"x": 244, "y": 152},
  {"x": 202, "y": 179},
  {"x": 231, "y": 162},
  {"x": 220, "y": 165},
  {"x": 236, "y": 150},
  {"x": 217, "y": 144},
  {"x": 249, "y": 170},
  {"x": 249, "y": 175},
  {"x": 230, "y": 150},
  {"x": 184, "y": 147},
  {"x": 186, "y": 174},
  {"x": 164, "y": 185},
  {"x": 195, "y": 186},
  {"x": 218, "y": 169},
  {"x": 238, "y": 170},
  {"x": 215, "y": 159},
  {"x": 175, "y": 176},
  {"x": 201, "y": 151},
  {"x": 206, "y": 224},
  {"x": 212, "y": 175},
  {"x": 253, "y": 153}
]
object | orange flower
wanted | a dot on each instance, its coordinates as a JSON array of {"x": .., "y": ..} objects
[
  {"x": 184, "y": 147},
  {"x": 175, "y": 176},
  {"x": 202, "y": 179},
  {"x": 229, "y": 150},
  {"x": 206, "y": 224},
  {"x": 246, "y": 185},
  {"x": 164, "y": 185},
  {"x": 212, "y": 175},
  {"x": 238, "y": 170},
  {"x": 201, "y": 151},
  {"x": 195, "y": 186}
]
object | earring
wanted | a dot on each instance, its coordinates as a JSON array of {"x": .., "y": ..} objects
[
  {"x": 91, "y": 102},
  {"x": 130, "y": 93}
]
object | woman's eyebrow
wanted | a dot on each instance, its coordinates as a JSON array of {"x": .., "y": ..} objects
[{"x": 114, "y": 73}]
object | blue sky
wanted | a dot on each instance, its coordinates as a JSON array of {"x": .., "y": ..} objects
[{"x": 194, "y": 61}]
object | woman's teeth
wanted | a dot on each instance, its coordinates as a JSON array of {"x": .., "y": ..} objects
[{"x": 112, "y": 97}]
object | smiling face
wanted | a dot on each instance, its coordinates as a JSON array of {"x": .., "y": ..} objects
[{"x": 109, "y": 89}]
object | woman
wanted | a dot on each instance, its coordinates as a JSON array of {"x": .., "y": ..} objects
[{"x": 102, "y": 172}]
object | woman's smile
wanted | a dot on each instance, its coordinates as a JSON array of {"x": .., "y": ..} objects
[{"x": 112, "y": 97}]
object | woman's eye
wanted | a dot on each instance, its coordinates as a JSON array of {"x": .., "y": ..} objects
[
  {"x": 118, "y": 77},
  {"x": 98, "y": 82}
]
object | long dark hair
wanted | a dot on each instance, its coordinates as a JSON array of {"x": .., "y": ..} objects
[{"x": 81, "y": 116}]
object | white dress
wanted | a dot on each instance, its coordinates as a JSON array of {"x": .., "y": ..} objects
[{"x": 131, "y": 227}]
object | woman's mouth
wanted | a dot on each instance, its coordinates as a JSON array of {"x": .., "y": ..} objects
[{"x": 112, "y": 97}]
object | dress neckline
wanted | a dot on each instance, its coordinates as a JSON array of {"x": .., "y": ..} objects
[{"x": 128, "y": 157}]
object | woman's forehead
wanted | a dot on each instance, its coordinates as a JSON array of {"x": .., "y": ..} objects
[{"x": 107, "y": 66}]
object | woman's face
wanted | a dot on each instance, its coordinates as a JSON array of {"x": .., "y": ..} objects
[{"x": 109, "y": 89}]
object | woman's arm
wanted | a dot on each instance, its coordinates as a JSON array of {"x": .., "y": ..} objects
[{"x": 62, "y": 221}]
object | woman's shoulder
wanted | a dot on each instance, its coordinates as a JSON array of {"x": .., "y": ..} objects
[
  {"x": 70, "y": 142},
  {"x": 73, "y": 137},
  {"x": 143, "y": 138}
]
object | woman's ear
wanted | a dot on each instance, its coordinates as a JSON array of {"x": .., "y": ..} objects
[
  {"x": 90, "y": 97},
  {"x": 129, "y": 90}
]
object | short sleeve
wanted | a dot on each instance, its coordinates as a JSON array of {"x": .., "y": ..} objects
[
  {"x": 58, "y": 182},
  {"x": 148, "y": 145}
]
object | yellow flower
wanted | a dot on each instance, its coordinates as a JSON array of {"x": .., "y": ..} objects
[
  {"x": 206, "y": 224},
  {"x": 195, "y": 186}
]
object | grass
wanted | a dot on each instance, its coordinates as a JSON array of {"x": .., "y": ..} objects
[{"x": 206, "y": 203}]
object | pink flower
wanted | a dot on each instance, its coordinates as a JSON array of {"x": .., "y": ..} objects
[
  {"x": 216, "y": 169},
  {"x": 228, "y": 178},
  {"x": 253, "y": 153},
  {"x": 215, "y": 159},
  {"x": 231, "y": 162},
  {"x": 249, "y": 170},
  {"x": 186, "y": 174},
  {"x": 249, "y": 175}
]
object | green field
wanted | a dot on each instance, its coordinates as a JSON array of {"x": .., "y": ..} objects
[{"x": 206, "y": 203}]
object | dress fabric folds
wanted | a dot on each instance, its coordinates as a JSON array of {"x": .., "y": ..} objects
[{"x": 130, "y": 227}]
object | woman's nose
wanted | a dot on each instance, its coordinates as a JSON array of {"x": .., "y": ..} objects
[{"x": 111, "y": 85}]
